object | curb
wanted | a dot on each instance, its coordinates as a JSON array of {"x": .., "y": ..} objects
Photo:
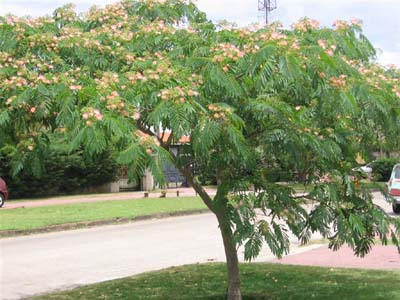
[{"x": 90, "y": 224}]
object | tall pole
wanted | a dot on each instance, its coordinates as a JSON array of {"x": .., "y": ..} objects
[{"x": 267, "y": 6}]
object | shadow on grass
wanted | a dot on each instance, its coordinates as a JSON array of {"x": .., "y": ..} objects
[
  {"x": 245, "y": 297},
  {"x": 259, "y": 282}
]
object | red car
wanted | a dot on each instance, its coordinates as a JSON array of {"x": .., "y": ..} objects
[{"x": 3, "y": 192}]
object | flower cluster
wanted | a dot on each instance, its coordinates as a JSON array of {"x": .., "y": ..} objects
[
  {"x": 356, "y": 22},
  {"x": 107, "y": 80},
  {"x": 91, "y": 115},
  {"x": 340, "y": 24},
  {"x": 138, "y": 76},
  {"x": 47, "y": 41},
  {"x": 157, "y": 28},
  {"x": 325, "y": 178},
  {"x": 11, "y": 100},
  {"x": 338, "y": 82},
  {"x": 178, "y": 93},
  {"x": 306, "y": 24},
  {"x": 67, "y": 13},
  {"x": 153, "y": 3},
  {"x": 396, "y": 91},
  {"x": 74, "y": 87},
  {"x": 136, "y": 114},
  {"x": 218, "y": 112},
  {"x": 26, "y": 21},
  {"x": 328, "y": 49},
  {"x": 113, "y": 101},
  {"x": 109, "y": 13},
  {"x": 160, "y": 68},
  {"x": 14, "y": 82},
  {"x": 227, "y": 50},
  {"x": 276, "y": 36},
  {"x": 147, "y": 141}
]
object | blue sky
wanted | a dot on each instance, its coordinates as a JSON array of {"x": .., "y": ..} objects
[{"x": 381, "y": 18}]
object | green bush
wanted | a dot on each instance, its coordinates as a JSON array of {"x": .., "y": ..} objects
[
  {"x": 382, "y": 168},
  {"x": 63, "y": 173}
]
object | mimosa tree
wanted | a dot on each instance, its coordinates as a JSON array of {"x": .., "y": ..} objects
[{"x": 136, "y": 72}]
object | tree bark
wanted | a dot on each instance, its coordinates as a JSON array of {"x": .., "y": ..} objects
[{"x": 232, "y": 261}]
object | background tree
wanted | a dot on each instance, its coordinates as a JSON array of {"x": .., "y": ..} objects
[
  {"x": 57, "y": 171},
  {"x": 135, "y": 72}
]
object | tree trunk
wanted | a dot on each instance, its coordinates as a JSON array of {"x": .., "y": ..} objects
[
  {"x": 232, "y": 261},
  {"x": 234, "y": 291}
]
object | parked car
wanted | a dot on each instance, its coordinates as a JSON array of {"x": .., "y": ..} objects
[
  {"x": 394, "y": 188},
  {"x": 367, "y": 169},
  {"x": 3, "y": 192}
]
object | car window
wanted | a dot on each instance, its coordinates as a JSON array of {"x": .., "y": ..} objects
[{"x": 397, "y": 172}]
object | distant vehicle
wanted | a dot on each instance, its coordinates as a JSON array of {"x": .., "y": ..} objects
[
  {"x": 365, "y": 169},
  {"x": 394, "y": 188},
  {"x": 3, "y": 192}
]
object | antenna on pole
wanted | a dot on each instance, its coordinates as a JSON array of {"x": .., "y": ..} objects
[{"x": 267, "y": 6}]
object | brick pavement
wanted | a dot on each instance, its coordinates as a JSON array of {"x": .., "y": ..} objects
[{"x": 381, "y": 257}]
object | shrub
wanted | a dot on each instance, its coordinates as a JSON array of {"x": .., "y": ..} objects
[
  {"x": 63, "y": 173},
  {"x": 382, "y": 168}
]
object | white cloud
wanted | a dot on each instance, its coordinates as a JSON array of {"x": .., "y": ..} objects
[{"x": 389, "y": 57}]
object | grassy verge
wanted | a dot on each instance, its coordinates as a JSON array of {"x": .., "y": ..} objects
[
  {"x": 373, "y": 185},
  {"x": 259, "y": 282},
  {"x": 35, "y": 217}
]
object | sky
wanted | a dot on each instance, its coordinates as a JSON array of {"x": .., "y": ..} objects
[{"x": 381, "y": 18}]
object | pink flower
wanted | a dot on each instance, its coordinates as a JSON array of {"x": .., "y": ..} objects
[
  {"x": 75, "y": 87},
  {"x": 295, "y": 46},
  {"x": 33, "y": 109},
  {"x": 136, "y": 115},
  {"x": 193, "y": 93},
  {"x": 322, "y": 43},
  {"x": 355, "y": 21}
]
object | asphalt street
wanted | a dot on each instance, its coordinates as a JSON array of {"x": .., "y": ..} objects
[{"x": 41, "y": 263}]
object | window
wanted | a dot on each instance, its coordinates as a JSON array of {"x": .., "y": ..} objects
[{"x": 397, "y": 172}]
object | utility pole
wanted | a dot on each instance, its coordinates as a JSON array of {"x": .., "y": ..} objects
[{"x": 266, "y": 6}]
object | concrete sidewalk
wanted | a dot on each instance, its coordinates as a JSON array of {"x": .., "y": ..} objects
[
  {"x": 380, "y": 257},
  {"x": 183, "y": 192}
]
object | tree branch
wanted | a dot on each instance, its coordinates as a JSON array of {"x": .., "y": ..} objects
[{"x": 185, "y": 170}]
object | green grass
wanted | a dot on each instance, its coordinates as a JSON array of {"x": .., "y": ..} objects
[
  {"x": 35, "y": 217},
  {"x": 373, "y": 185},
  {"x": 259, "y": 282}
]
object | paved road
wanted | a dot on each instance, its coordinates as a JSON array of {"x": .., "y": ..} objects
[{"x": 41, "y": 263}]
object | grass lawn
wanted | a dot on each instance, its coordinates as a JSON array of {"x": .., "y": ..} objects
[
  {"x": 259, "y": 282},
  {"x": 373, "y": 185},
  {"x": 34, "y": 217}
]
